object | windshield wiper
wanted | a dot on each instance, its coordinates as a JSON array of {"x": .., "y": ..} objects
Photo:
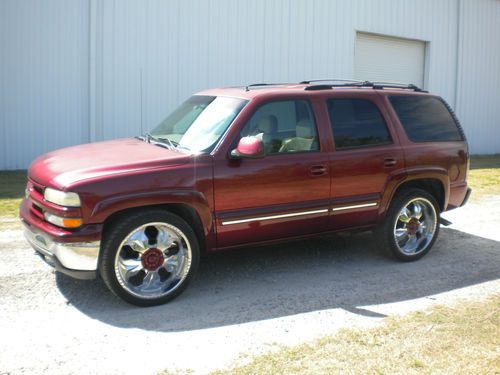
[
  {"x": 162, "y": 141},
  {"x": 167, "y": 141},
  {"x": 146, "y": 137},
  {"x": 159, "y": 141}
]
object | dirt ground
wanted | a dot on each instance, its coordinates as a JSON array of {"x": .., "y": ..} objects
[{"x": 243, "y": 302}]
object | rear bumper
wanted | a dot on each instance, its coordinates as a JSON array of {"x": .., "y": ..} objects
[
  {"x": 72, "y": 253},
  {"x": 459, "y": 194},
  {"x": 467, "y": 195}
]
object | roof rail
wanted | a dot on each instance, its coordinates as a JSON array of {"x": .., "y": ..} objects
[
  {"x": 379, "y": 85},
  {"x": 256, "y": 85},
  {"x": 326, "y": 87},
  {"x": 374, "y": 85},
  {"x": 329, "y": 80},
  {"x": 321, "y": 87},
  {"x": 396, "y": 85}
]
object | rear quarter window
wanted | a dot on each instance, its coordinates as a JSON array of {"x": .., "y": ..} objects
[{"x": 426, "y": 118}]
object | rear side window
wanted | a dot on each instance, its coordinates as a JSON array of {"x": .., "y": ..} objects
[
  {"x": 425, "y": 118},
  {"x": 356, "y": 123}
]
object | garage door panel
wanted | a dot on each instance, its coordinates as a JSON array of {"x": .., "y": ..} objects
[{"x": 383, "y": 58}]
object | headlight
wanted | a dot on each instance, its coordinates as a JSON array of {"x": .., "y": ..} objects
[
  {"x": 62, "y": 198},
  {"x": 64, "y": 222}
]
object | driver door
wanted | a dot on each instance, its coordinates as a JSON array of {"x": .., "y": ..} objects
[{"x": 284, "y": 194}]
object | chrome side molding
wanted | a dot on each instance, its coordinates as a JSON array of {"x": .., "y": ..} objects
[
  {"x": 262, "y": 218},
  {"x": 351, "y": 207},
  {"x": 301, "y": 213}
]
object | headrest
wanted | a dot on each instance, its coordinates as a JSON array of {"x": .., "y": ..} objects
[
  {"x": 268, "y": 124},
  {"x": 304, "y": 129}
]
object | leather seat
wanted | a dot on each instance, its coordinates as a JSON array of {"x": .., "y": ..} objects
[
  {"x": 304, "y": 140},
  {"x": 267, "y": 131}
]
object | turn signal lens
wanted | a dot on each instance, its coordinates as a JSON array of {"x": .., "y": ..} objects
[{"x": 63, "y": 222}]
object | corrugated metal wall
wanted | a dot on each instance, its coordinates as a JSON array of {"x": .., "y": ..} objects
[
  {"x": 478, "y": 93},
  {"x": 74, "y": 71},
  {"x": 44, "y": 57}
]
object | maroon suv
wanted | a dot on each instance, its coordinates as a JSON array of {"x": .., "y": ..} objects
[{"x": 246, "y": 166}]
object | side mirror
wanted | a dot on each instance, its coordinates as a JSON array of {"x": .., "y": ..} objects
[{"x": 249, "y": 147}]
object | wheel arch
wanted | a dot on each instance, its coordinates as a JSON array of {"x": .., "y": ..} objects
[
  {"x": 436, "y": 184},
  {"x": 432, "y": 185},
  {"x": 183, "y": 210}
]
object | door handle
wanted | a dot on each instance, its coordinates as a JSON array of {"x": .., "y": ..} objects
[
  {"x": 318, "y": 170},
  {"x": 390, "y": 162}
]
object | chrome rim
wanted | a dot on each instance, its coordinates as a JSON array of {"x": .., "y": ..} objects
[
  {"x": 153, "y": 260},
  {"x": 415, "y": 226}
]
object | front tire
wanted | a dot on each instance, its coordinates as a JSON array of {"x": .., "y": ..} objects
[
  {"x": 149, "y": 257},
  {"x": 411, "y": 225}
]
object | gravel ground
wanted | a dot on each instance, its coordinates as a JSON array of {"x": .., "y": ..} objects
[{"x": 242, "y": 302}]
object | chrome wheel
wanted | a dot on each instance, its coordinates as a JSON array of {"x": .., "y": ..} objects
[
  {"x": 153, "y": 260},
  {"x": 415, "y": 226}
]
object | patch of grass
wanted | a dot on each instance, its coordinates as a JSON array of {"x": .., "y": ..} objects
[
  {"x": 12, "y": 185},
  {"x": 464, "y": 339},
  {"x": 485, "y": 161},
  {"x": 484, "y": 175}
]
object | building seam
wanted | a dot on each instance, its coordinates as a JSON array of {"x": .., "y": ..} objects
[
  {"x": 92, "y": 71},
  {"x": 458, "y": 70}
]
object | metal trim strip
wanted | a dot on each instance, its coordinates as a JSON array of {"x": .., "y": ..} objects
[
  {"x": 262, "y": 218},
  {"x": 371, "y": 204}
]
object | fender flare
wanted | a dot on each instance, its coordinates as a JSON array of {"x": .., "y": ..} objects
[
  {"x": 193, "y": 199},
  {"x": 414, "y": 174}
]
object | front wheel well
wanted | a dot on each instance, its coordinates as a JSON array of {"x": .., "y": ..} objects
[
  {"x": 432, "y": 185},
  {"x": 184, "y": 211}
]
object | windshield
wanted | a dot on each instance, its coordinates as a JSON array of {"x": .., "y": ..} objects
[{"x": 199, "y": 122}]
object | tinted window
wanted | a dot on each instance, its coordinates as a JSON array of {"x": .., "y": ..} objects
[
  {"x": 284, "y": 126},
  {"x": 356, "y": 123},
  {"x": 425, "y": 118}
]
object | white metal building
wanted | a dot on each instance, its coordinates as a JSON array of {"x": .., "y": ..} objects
[{"x": 76, "y": 71}]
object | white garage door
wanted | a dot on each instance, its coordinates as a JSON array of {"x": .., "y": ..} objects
[{"x": 382, "y": 58}]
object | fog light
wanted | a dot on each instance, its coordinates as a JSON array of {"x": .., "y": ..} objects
[{"x": 63, "y": 222}]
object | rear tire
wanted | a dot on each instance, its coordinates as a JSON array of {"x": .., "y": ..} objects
[
  {"x": 411, "y": 225},
  {"x": 149, "y": 257}
]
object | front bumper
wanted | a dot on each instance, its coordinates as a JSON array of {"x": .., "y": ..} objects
[{"x": 78, "y": 260}]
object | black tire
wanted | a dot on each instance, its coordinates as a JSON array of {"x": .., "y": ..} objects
[
  {"x": 119, "y": 232},
  {"x": 385, "y": 233}
]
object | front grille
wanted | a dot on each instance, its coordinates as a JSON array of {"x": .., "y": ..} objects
[
  {"x": 36, "y": 195},
  {"x": 38, "y": 189},
  {"x": 37, "y": 208}
]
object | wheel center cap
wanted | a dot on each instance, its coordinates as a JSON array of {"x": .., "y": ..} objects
[
  {"x": 412, "y": 226},
  {"x": 152, "y": 259}
]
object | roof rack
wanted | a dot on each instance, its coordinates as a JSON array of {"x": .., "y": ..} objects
[
  {"x": 396, "y": 85},
  {"x": 329, "y": 80},
  {"x": 378, "y": 85},
  {"x": 375, "y": 85},
  {"x": 256, "y": 85}
]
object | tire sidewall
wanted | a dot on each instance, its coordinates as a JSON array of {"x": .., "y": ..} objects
[{"x": 116, "y": 234}]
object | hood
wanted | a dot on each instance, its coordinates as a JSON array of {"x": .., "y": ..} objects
[{"x": 64, "y": 167}]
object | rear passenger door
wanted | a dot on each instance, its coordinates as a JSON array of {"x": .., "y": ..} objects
[{"x": 366, "y": 153}]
